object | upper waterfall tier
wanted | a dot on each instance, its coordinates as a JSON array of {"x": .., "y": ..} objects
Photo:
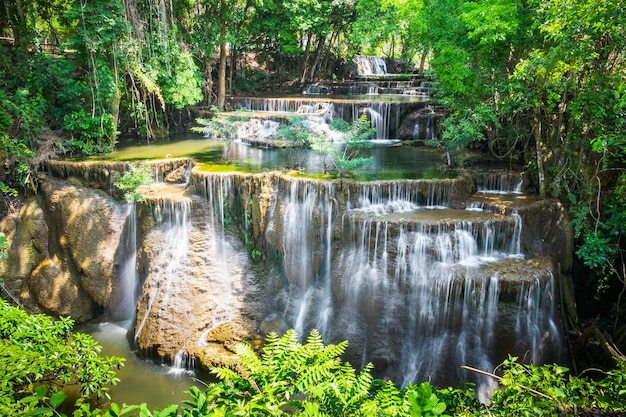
[
  {"x": 414, "y": 87},
  {"x": 386, "y": 113}
]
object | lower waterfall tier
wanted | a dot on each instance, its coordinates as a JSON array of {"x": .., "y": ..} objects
[{"x": 420, "y": 276}]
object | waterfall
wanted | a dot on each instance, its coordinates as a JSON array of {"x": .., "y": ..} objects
[
  {"x": 182, "y": 364},
  {"x": 128, "y": 279},
  {"x": 303, "y": 237},
  {"x": 425, "y": 124},
  {"x": 418, "y": 297},
  {"x": 370, "y": 65},
  {"x": 173, "y": 222},
  {"x": 499, "y": 182},
  {"x": 220, "y": 250},
  {"x": 195, "y": 270},
  {"x": 379, "y": 121},
  {"x": 385, "y": 116},
  {"x": 431, "y": 193},
  {"x": 416, "y": 287}
]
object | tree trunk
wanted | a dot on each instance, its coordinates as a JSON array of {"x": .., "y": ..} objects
[
  {"x": 540, "y": 153},
  {"x": 221, "y": 78},
  {"x": 306, "y": 59},
  {"x": 420, "y": 70},
  {"x": 325, "y": 66},
  {"x": 316, "y": 60},
  {"x": 221, "y": 81},
  {"x": 15, "y": 14},
  {"x": 232, "y": 70}
]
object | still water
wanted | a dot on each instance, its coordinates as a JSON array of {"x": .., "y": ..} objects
[
  {"x": 389, "y": 159},
  {"x": 141, "y": 380}
]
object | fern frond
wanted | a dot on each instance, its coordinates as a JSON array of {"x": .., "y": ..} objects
[
  {"x": 226, "y": 374},
  {"x": 249, "y": 358},
  {"x": 390, "y": 399}
]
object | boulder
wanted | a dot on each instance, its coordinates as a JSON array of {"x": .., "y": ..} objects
[
  {"x": 29, "y": 243},
  {"x": 58, "y": 292},
  {"x": 88, "y": 226}
]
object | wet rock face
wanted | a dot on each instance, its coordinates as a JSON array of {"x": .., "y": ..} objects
[
  {"x": 64, "y": 249},
  {"x": 196, "y": 278},
  {"x": 89, "y": 226},
  {"x": 57, "y": 291},
  {"x": 29, "y": 245},
  {"x": 546, "y": 231}
]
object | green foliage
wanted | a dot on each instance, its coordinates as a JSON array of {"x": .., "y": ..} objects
[
  {"x": 137, "y": 174},
  {"x": 181, "y": 86},
  {"x": 462, "y": 402},
  {"x": 222, "y": 127},
  {"x": 300, "y": 138},
  {"x": 550, "y": 390},
  {"x": 349, "y": 154},
  {"x": 600, "y": 239},
  {"x": 21, "y": 114},
  {"x": 40, "y": 356},
  {"x": 251, "y": 80},
  {"x": 86, "y": 132},
  {"x": 290, "y": 378},
  {"x": 4, "y": 247}
]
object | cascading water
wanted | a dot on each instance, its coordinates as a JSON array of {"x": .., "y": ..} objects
[
  {"x": 305, "y": 231},
  {"x": 413, "y": 288},
  {"x": 221, "y": 251},
  {"x": 385, "y": 115},
  {"x": 499, "y": 183},
  {"x": 124, "y": 307},
  {"x": 196, "y": 273},
  {"x": 370, "y": 65},
  {"x": 417, "y": 281},
  {"x": 425, "y": 124},
  {"x": 173, "y": 223}
]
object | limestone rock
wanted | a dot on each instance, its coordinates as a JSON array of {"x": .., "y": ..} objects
[
  {"x": 195, "y": 279},
  {"x": 546, "y": 231},
  {"x": 177, "y": 176},
  {"x": 89, "y": 225},
  {"x": 29, "y": 243},
  {"x": 216, "y": 355},
  {"x": 58, "y": 293},
  {"x": 219, "y": 346}
]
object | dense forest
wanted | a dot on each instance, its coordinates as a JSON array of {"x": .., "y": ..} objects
[{"x": 542, "y": 83}]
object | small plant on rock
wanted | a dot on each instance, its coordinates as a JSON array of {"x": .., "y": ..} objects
[
  {"x": 137, "y": 174},
  {"x": 348, "y": 155}
]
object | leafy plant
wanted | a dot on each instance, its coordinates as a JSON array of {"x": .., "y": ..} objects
[
  {"x": 137, "y": 174},
  {"x": 551, "y": 390},
  {"x": 347, "y": 155},
  {"x": 221, "y": 127},
  {"x": 290, "y": 378},
  {"x": 300, "y": 137},
  {"x": 40, "y": 356},
  {"x": 4, "y": 246}
]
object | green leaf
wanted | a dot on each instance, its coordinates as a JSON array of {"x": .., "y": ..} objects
[
  {"x": 57, "y": 398},
  {"x": 38, "y": 411}
]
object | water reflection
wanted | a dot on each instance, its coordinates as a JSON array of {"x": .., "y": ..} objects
[{"x": 390, "y": 159}]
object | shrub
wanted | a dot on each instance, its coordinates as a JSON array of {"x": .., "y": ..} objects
[
  {"x": 40, "y": 357},
  {"x": 137, "y": 174}
]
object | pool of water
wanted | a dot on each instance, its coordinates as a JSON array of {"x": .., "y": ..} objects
[
  {"x": 141, "y": 380},
  {"x": 390, "y": 159}
]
